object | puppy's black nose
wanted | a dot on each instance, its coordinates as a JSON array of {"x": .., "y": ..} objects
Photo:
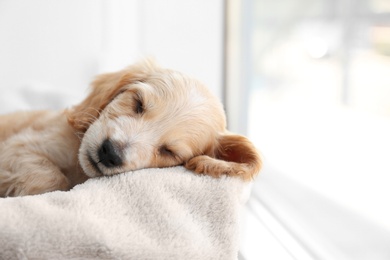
[{"x": 109, "y": 154}]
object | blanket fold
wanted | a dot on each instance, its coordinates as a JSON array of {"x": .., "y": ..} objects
[{"x": 167, "y": 213}]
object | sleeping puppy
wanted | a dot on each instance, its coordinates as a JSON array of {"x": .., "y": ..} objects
[{"x": 141, "y": 117}]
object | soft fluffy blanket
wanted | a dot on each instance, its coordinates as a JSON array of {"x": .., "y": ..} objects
[{"x": 147, "y": 214}]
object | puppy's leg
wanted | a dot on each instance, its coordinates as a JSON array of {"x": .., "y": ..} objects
[{"x": 36, "y": 177}]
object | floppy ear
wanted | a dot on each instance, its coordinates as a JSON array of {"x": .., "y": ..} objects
[
  {"x": 104, "y": 89},
  {"x": 233, "y": 155}
]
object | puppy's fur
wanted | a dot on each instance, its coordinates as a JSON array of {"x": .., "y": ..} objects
[{"x": 143, "y": 116}]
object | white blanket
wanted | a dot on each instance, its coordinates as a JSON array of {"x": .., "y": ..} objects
[{"x": 147, "y": 214}]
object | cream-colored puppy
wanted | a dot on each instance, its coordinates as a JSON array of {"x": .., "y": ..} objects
[{"x": 141, "y": 117}]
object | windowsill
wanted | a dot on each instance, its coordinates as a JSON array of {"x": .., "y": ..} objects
[
  {"x": 257, "y": 240},
  {"x": 306, "y": 225}
]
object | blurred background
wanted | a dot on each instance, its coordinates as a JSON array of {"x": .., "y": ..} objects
[
  {"x": 307, "y": 80},
  {"x": 61, "y": 45}
]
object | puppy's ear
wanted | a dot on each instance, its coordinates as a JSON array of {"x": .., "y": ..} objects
[
  {"x": 104, "y": 89},
  {"x": 233, "y": 155}
]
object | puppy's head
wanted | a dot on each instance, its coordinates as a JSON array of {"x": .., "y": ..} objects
[{"x": 145, "y": 116}]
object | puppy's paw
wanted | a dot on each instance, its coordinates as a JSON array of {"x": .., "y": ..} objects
[{"x": 216, "y": 168}]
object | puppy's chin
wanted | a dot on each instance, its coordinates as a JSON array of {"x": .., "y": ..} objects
[
  {"x": 89, "y": 166},
  {"x": 88, "y": 159}
]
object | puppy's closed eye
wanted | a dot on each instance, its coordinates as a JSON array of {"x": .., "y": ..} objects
[
  {"x": 138, "y": 105},
  {"x": 166, "y": 151}
]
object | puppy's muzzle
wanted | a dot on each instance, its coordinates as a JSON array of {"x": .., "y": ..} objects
[{"x": 109, "y": 154}]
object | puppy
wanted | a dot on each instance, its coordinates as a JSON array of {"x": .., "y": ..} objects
[{"x": 141, "y": 117}]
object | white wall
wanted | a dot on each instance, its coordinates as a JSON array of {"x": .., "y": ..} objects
[
  {"x": 187, "y": 35},
  {"x": 61, "y": 45},
  {"x": 46, "y": 43}
]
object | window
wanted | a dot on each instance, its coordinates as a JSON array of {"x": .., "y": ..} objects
[{"x": 312, "y": 77}]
